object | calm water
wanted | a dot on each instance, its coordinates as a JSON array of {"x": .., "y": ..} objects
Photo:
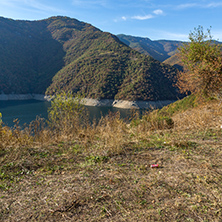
[
  {"x": 27, "y": 110},
  {"x": 24, "y": 110}
]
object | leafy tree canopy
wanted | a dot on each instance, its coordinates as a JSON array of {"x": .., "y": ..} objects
[{"x": 202, "y": 63}]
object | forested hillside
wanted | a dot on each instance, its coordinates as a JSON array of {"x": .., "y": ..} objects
[
  {"x": 165, "y": 51},
  {"x": 158, "y": 49},
  {"x": 29, "y": 56},
  {"x": 61, "y": 53}
]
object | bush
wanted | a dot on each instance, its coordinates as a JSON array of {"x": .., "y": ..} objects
[
  {"x": 180, "y": 105},
  {"x": 66, "y": 113}
]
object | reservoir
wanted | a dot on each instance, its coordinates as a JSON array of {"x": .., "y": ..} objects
[{"x": 27, "y": 110}]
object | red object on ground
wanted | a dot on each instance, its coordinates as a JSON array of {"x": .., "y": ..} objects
[{"x": 154, "y": 165}]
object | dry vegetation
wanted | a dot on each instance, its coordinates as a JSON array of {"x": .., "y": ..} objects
[{"x": 101, "y": 172}]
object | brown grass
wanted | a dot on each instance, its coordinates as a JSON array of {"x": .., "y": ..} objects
[{"x": 101, "y": 172}]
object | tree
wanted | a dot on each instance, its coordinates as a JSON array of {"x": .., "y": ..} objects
[{"x": 202, "y": 63}]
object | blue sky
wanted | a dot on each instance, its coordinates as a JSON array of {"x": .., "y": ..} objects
[{"x": 155, "y": 19}]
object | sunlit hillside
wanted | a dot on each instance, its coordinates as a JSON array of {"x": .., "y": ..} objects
[{"x": 61, "y": 53}]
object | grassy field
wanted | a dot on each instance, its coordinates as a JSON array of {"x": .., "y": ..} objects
[{"x": 102, "y": 172}]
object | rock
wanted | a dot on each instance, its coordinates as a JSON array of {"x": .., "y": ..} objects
[{"x": 123, "y": 104}]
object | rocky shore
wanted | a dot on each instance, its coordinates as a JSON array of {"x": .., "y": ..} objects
[{"x": 123, "y": 104}]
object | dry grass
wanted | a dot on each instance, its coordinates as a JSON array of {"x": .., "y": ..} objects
[{"x": 101, "y": 172}]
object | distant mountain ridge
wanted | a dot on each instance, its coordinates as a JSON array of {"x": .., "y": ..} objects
[
  {"x": 61, "y": 53},
  {"x": 158, "y": 49},
  {"x": 165, "y": 51}
]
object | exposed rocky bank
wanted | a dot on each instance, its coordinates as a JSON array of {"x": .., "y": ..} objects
[{"x": 123, "y": 104}]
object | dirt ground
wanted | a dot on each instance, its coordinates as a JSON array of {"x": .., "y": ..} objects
[{"x": 67, "y": 180}]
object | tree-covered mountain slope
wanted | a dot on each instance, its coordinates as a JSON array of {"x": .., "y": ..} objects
[
  {"x": 29, "y": 56},
  {"x": 175, "y": 61},
  {"x": 162, "y": 50},
  {"x": 158, "y": 49},
  {"x": 61, "y": 53}
]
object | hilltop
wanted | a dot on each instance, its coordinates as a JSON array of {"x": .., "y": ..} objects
[{"x": 61, "y": 53}]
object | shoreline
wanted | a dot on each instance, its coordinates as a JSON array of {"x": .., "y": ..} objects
[
  {"x": 40, "y": 97},
  {"x": 122, "y": 104}
]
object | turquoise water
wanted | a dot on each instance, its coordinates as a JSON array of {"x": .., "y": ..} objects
[{"x": 27, "y": 110}]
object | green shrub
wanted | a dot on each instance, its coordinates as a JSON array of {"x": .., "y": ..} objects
[
  {"x": 180, "y": 105},
  {"x": 66, "y": 113}
]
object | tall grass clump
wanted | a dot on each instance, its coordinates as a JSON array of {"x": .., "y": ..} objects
[
  {"x": 112, "y": 134},
  {"x": 153, "y": 120}
]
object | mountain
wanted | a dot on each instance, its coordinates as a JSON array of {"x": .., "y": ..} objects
[
  {"x": 175, "y": 61},
  {"x": 61, "y": 53},
  {"x": 162, "y": 50},
  {"x": 29, "y": 56},
  {"x": 158, "y": 49}
]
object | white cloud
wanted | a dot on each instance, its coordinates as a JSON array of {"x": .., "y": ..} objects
[
  {"x": 5, "y": 3},
  {"x": 31, "y": 4},
  {"x": 120, "y": 19},
  {"x": 42, "y": 7},
  {"x": 158, "y": 12},
  {"x": 196, "y": 5},
  {"x": 89, "y": 3},
  {"x": 149, "y": 16},
  {"x": 13, "y": 3},
  {"x": 214, "y": 5},
  {"x": 145, "y": 17},
  {"x": 184, "y": 6}
]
